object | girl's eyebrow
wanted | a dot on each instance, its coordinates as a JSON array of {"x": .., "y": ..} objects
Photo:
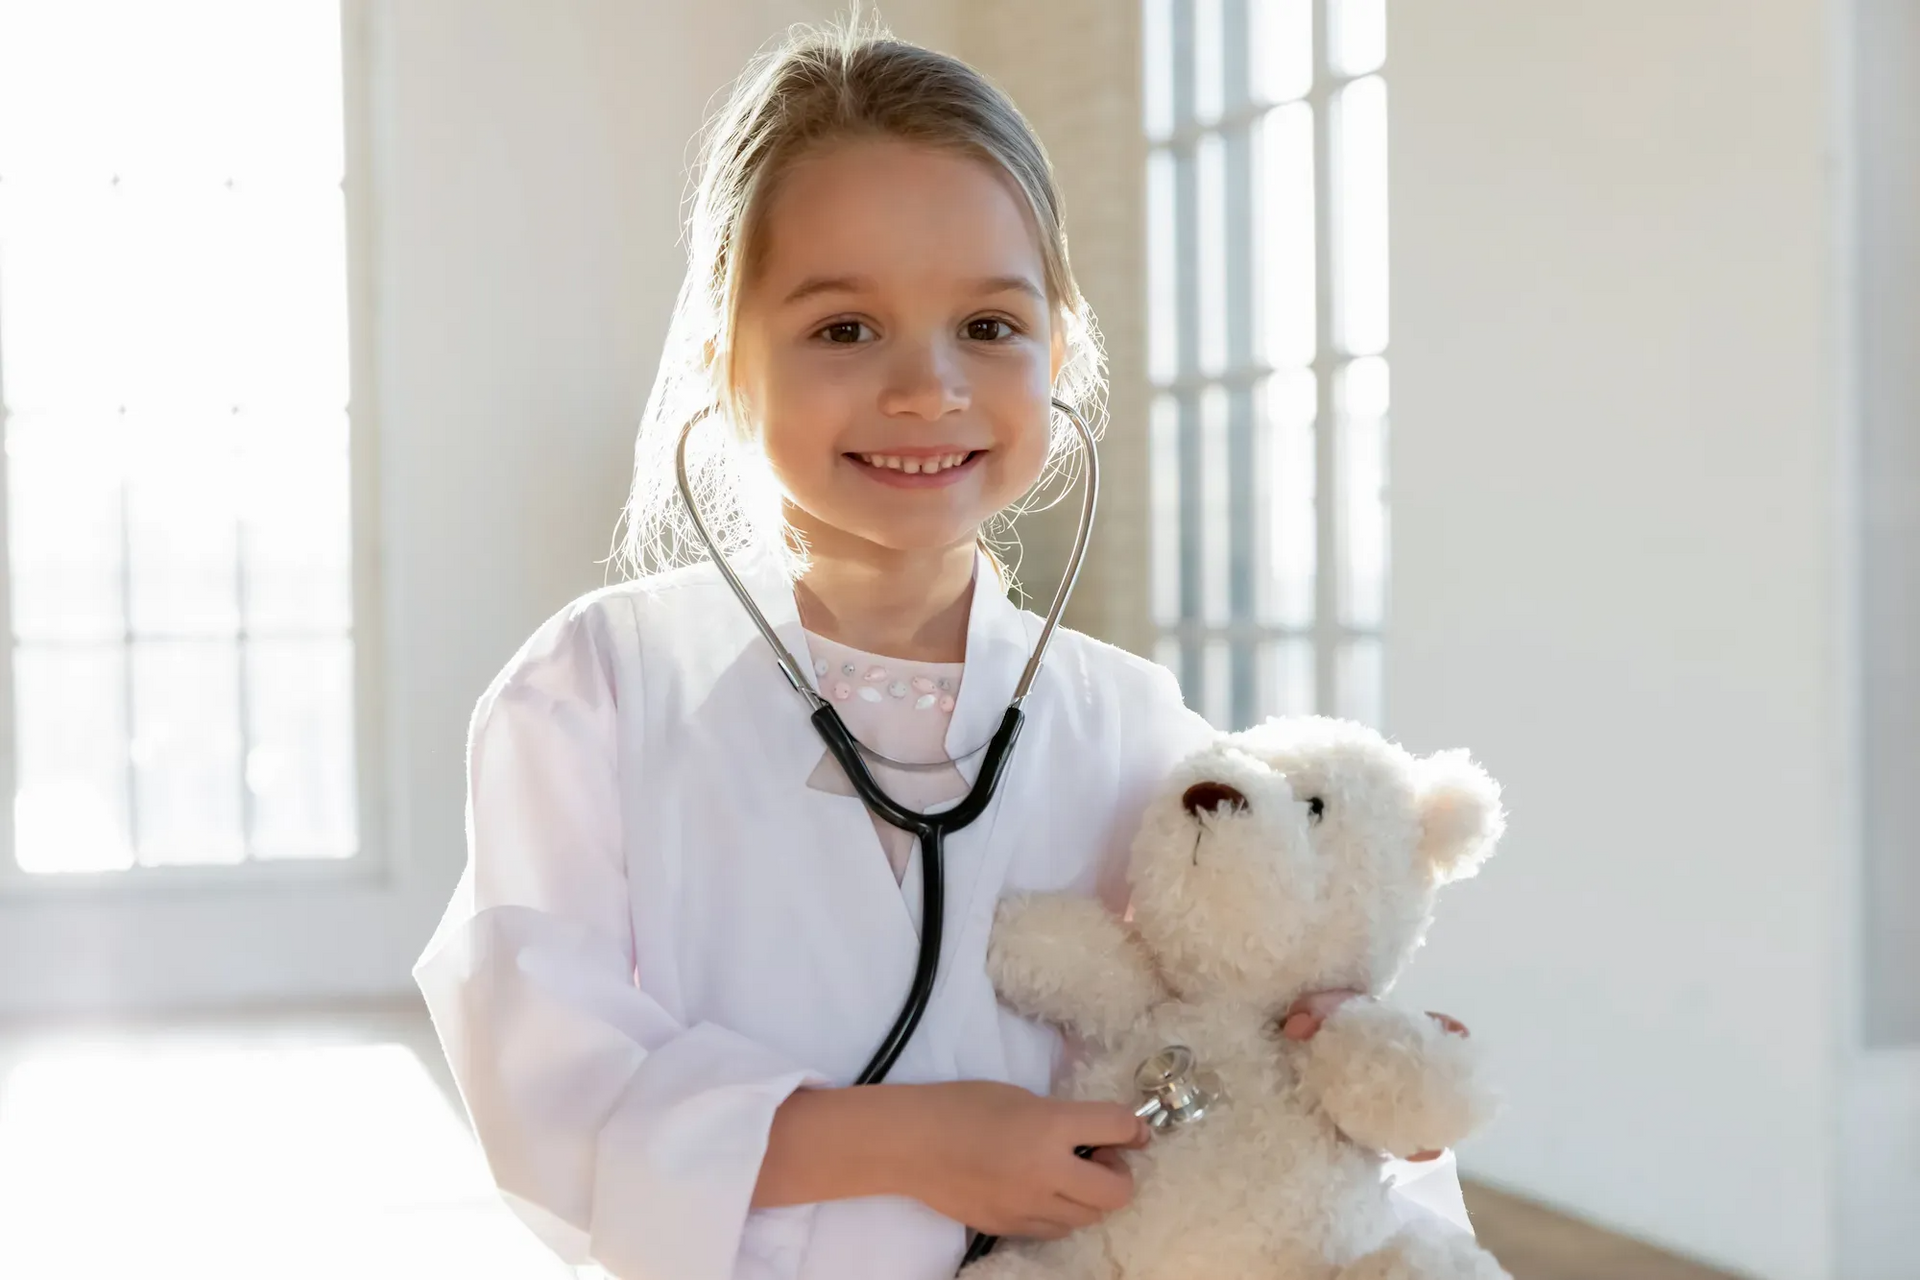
[{"x": 813, "y": 286}]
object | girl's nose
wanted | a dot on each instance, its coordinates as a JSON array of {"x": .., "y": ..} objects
[{"x": 925, "y": 381}]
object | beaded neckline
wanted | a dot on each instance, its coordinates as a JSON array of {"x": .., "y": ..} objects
[{"x": 853, "y": 674}]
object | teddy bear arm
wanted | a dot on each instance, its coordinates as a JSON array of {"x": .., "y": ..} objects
[
  {"x": 1068, "y": 961},
  {"x": 1396, "y": 1081}
]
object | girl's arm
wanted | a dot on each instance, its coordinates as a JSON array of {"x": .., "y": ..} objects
[
  {"x": 619, "y": 1135},
  {"x": 993, "y": 1156}
]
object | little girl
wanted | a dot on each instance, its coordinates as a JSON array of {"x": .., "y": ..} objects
[{"x": 679, "y": 934}]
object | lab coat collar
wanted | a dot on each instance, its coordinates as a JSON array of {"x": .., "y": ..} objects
[{"x": 999, "y": 639}]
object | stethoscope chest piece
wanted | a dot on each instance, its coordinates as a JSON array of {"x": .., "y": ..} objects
[{"x": 1173, "y": 1093}]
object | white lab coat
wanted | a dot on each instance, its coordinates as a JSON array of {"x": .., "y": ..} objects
[{"x": 663, "y": 929}]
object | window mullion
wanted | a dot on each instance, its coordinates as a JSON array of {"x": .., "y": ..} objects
[{"x": 1326, "y": 487}]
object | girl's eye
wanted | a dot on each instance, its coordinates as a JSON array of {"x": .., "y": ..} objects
[
  {"x": 988, "y": 329},
  {"x": 843, "y": 333}
]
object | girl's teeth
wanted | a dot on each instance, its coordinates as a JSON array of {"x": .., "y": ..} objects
[{"x": 914, "y": 466}]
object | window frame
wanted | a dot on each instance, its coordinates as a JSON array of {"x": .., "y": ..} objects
[
  {"x": 371, "y": 863},
  {"x": 1183, "y": 641}
]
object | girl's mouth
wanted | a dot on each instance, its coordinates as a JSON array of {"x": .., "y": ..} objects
[{"x": 919, "y": 470}]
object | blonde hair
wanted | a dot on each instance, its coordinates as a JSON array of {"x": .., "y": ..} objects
[{"x": 819, "y": 87}]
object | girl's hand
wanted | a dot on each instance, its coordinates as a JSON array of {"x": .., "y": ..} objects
[
  {"x": 1000, "y": 1159},
  {"x": 1303, "y": 1018}
]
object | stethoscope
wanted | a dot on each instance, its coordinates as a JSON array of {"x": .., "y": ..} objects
[{"x": 1173, "y": 1096}]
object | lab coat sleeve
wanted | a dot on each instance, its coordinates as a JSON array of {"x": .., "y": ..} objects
[
  {"x": 1420, "y": 1190},
  {"x": 623, "y": 1138}
]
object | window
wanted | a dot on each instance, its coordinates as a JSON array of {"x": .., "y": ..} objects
[
  {"x": 1267, "y": 291},
  {"x": 178, "y": 567}
]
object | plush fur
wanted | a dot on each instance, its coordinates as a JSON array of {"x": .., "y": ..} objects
[{"x": 1238, "y": 909}]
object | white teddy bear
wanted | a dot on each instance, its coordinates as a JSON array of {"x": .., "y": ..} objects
[{"x": 1301, "y": 855}]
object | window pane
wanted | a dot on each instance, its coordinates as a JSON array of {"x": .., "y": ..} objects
[
  {"x": 1359, "y": 35},
  {"x": 70, "y": 809},
  {"x": 1156, "y": 32},
  {"x": 291, "y": 127},
  {"x": 1211, "y": 234},
  {"x": 166, "y": 297},
  {"x": 295, "y": 512},
  {"x": 166, "y": 93},
  {"x": 1284, "y": 297},
  {"x": 63, "y": 528},
  {"x": 1208, "y": 68},
  {"x": 1280, "y": 45},
  {"x": 1216, "y": 548},
  {"x": 1286, "y": 500},
  {"x": 173, "y": 335},
  {"x": 1286, "y": 678},
  {"x": 177, "y": 292},
  {"x": 1360, "y": 679},
  {"x": 61, "y": 300},
  {"x": 1163, "y": 298},
  {"x": 55, "y": 67},
  {"x": 186, "y": 752},
  {"x": 1164, "y": 447},
  {"x": 289, "y": 257},
  {"x": 1167, "y": 652},
  {"x": 181, "y": 523},
  {"x": 1360, "y": 161},
  {"x": 1360, "y": 392},
  {"x": 301, "y": 765},
  {"x": 1216, "y": 701}
]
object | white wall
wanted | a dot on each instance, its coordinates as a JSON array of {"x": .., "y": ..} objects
[{"x": 1621, "y": 504}]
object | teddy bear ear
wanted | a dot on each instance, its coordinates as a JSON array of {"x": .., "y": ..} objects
[{"x": 1460, "y": 815}]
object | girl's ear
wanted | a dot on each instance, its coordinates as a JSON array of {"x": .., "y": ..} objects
[
  {"x": 1460, "y": 815},
  {"x": 1059, "y": 349}
]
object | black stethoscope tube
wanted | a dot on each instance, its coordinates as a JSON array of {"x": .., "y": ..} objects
[{"x": 932, "y": 829}]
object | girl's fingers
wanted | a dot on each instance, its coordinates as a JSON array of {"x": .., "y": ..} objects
[
  {"x": 1104, "y": 1124},
  {"x": 1453, "y": 1025},
  {"x": 1055, "y": 1220},
  {"x": 1096, "y": 1187}
]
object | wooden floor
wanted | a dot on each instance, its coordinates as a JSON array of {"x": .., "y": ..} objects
[
  {"x": 206, "y": 1144},
  {"x": 1537, "y": 1244}
]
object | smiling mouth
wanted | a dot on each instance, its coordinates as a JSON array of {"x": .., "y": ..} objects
[{"x": 917, "y": 464}]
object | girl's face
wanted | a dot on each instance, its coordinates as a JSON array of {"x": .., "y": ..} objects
[{"x": 895, "y": 347}]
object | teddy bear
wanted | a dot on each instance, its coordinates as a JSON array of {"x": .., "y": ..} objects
[{"x": 1301, "y": 855}]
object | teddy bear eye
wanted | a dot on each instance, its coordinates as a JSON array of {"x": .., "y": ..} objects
[{"x": 1316, "y": 809}]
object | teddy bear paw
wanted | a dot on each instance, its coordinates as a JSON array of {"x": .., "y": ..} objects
[{"x": 1397, "y": 1081}]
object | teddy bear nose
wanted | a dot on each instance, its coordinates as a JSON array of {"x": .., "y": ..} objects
[{"x": 1211, "y": 795}]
